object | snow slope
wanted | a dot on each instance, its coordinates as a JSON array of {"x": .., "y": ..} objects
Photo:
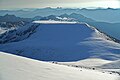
[
  {"x": 19, "y": 68},
  {"x": 64, "y": 42},
  {"x": 90, "y": 62},
  {"x": 112, "y": 65},
  {"x": 17, "y": 31}
]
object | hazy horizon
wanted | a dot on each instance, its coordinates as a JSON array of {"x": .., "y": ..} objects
[{"x": 15, "y": 4}]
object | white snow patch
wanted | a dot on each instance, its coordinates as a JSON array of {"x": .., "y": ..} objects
[
  {"x": 53, "y": 22},
  {"x": 90, "y": 62},
  {"x": 18, "y": 68}
]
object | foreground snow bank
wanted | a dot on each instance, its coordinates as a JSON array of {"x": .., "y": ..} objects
[{"x": 18, "y": 68}]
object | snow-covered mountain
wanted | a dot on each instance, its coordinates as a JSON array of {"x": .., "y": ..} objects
[
  {"x": 60, "y": 44},
  {"x": 65, "y": 17},
  {"x": 102, "y": 15},
  {"x": 112, "y": 29},
  {"x": 14, "y": 28},
  {"x": 17, "y": 32},
  {"x": 64, "y": 42},
  {"x": 109, "y": 28},
  {"x": 19, "y": 68},
  {"x": 68, "y": 44}
]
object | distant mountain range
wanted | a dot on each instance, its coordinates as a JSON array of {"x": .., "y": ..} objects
[
  {"x": 13, "y": 18},
  {"x": 66, "y": 17},
  {"x": 104, "y": 15}
]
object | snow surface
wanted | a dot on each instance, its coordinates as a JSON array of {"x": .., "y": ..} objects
[
  {"x": 17, "y": 32},
  {"x": 19, "y": 68},
  {"x": 98, "y": 64},
  {"x": 112, "y": 65},
  {"x": 66, "y": 42},
  {"x": 90, "y": 62},
  {"x": 53, "y": 22}
]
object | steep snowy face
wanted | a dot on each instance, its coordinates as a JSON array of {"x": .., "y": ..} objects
[
  {"x": 15, "y": 31},
  {"x": 64, "y": 42}
]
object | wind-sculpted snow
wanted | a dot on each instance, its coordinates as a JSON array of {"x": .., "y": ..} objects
[{"x": 64, "y": 42}]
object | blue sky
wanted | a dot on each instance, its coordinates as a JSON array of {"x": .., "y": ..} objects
[{"x": 10, "y": 4}]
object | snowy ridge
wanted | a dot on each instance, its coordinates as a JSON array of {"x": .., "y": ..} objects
[
  {"x": 101, "y": 34},
  {"x": 17, "y": 32}
]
